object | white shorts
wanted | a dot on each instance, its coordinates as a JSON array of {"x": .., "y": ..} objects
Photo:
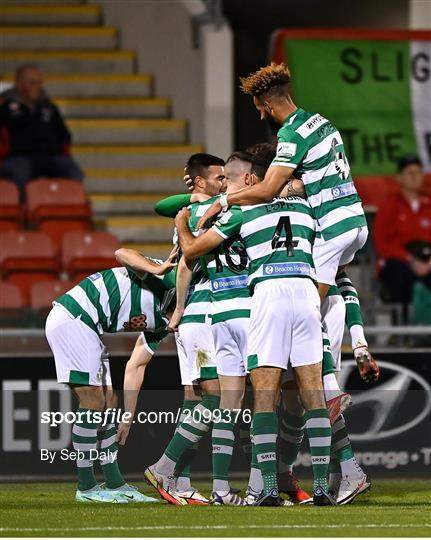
[
  {"x": 333, "y": 311},
  {"x": 329, "y": 255},
  {"x": 196, "y": 353},
  {"x": 285, "y": 325},
  {"x": 230, "y": 340},
  {"x": 80, "y": 356}
]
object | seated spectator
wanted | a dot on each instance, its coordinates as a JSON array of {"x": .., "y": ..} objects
[
  {"x": 35, "y": 139},
  {"x": 402, "y": 236}
]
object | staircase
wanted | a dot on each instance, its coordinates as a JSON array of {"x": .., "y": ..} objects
[{"x": 132, "y": 150}]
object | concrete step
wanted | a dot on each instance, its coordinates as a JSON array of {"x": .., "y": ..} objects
[
  {"x": 93, "y": 156},
  {"x": 115, "y": 108},
  {"x": 41, "y": 38},
  {"x": 109, "y": 131},
  {"x": 67, "y": 62},
  {"x": 159, "y": 251},
  {"x": 114, "y": 204},
  {"x": 139, "y": 229},
  {"x": 123, "y": 181},
  {"x": 94, "y": 85},
  {"x": 49, "y": 14}
]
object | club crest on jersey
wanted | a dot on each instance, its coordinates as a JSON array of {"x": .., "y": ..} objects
[{"x": 286, "y": 149}]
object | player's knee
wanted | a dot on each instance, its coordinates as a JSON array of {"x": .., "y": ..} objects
[
  {"x": 93, "y": 398},
  {"x": 111, "y": 398}
]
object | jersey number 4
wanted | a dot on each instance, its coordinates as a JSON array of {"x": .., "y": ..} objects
[{"x": 288, "y": 242}]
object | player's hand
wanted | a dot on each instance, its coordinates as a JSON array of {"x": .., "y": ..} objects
[
  {"x": 182, "y": 216},
  {"x": 169, "y": 264},
  {"x": 177, "y": 315},
  {"x": 123, "y": 433},
  {"x": 212, "y": 211},
  {"x": 190, "y": 183}
]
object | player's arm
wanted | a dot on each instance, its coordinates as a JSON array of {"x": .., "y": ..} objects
[
  {"x": 184, "y": 278},
  {"x": 276, "y": 178},
  {"x": 170, "y": 206},
  {"x": 141, "y": 265},
  {"x": 133, "y": 380},
  {"x": 191, "y": 246}
]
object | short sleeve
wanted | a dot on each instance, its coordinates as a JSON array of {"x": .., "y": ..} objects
[
  {"x": 291, "y": 149},
  {"x": 229, "y": 223}
]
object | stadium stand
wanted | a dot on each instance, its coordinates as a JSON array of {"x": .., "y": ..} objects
[
  {"x": 11, "y": 213},
  {"x": 125, "y": 139},
  {"x": 27, "y": 257},
  {"x": 84, "y": 254},
  {"x": 42, "y": 295},
  {"x": 57, "y": 206},
  {"x": 11, "y": 305}
]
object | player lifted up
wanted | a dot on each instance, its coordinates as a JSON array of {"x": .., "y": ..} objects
[{"x": 310, "y": 156}]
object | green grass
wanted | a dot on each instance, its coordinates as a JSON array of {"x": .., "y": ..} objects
[{"x": 393, "y": 508}]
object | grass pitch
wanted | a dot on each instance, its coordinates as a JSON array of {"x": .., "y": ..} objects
[{"x": 393, "y": 508}]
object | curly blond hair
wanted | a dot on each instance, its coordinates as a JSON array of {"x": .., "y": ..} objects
[{"x": 267, "y": 80}]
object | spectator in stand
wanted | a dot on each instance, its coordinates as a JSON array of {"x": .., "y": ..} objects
[
  {"x": 402, "y": 236},
  {"x": 35, "y": 139}
]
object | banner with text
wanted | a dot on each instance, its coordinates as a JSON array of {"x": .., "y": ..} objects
[{"x": 374, "y": 85}]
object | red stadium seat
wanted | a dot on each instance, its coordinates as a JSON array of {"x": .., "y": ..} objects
[
  {"x": 43, "y": 293},
  {"x": 10, "y": 296},
  {"x": 84, "y": 254},
  {"x": 57, "y": 206},
  {"x": 26, "y": 257},
  {"x": 11, "y": 305},
  {"x": 11, "y": 213}
]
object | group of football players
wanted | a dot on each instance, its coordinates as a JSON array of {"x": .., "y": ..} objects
[{"x": 257, "y": 293}]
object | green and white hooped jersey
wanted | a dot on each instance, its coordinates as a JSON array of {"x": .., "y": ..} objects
[
  {"x": 313, "y": 146},
  {"x": 108, "y": 299},
  {"x": 278, "y": 237},
  {"x": 227, "y": 269},
  {"x": 198, "y": 305}
]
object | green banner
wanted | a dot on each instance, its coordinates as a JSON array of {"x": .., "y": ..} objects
[{"x": 377, "y": 93}]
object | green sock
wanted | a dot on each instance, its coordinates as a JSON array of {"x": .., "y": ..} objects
[
  {"x": 334, "y": 466},
  {"x": 182, "y": 469},
  {"x": 354, "y": 319},
  {"x": 340, "y": 445},
  {"x": 244, "y": 437},
  {"x": 106, "y": 443},
  {"x": 84, "y": 439},
  {"x": 291, "y": 435},
  {"x": 255, "y": 482},
  {"x": 192, "y": 430},
  {"x": 265, "y": 430},
  {"x": 319, "y": 437},
  {"x": 223, "y": 439},
  {"x": 327, "y": 363}
]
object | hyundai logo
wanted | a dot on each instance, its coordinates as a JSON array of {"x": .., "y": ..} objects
[{"x": 383, "y": 402}]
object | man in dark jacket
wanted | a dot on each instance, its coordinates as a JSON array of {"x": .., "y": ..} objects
[{"x": 34, "y": 137}]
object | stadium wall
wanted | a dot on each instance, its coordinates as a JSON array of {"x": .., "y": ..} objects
[
  {"x": 161, "y": 34},
  {"x": 389, "y": 423}
]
